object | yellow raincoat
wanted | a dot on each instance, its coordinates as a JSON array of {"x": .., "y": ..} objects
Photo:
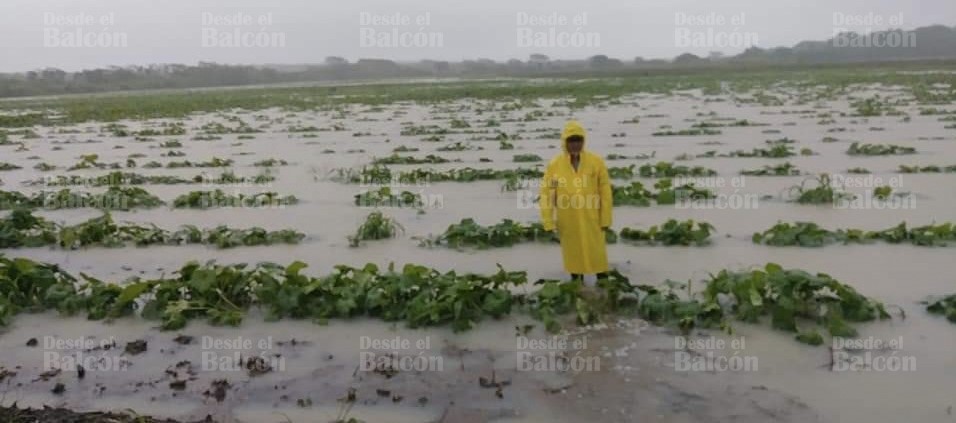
[{"x": 582, "y": 202}]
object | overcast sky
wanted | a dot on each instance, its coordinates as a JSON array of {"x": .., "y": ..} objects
[{"x": 80, "y": 34}]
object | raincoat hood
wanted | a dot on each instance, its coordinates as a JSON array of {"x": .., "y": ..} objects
[{"x": 573, "y": 127}]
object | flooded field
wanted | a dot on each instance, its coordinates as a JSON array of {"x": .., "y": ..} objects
[{"x": 630, "y": 369}]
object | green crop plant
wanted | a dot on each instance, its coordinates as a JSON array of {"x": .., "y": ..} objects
[
  {"x": 115, "y": 198},
  {"x": 636, "y": 194},
  {"x": 526, "y": 158},
  {"x": 945, "y": 306},
  {"x": 383, "y": 197},
  {"x": 687, "y": 132},
  {"x": 794, "y": 300},
  {"x": 218, "y": 198},
  {"x": 270, "y": 163},
  {"x": 858, "y": 149},
  {"x": 468, "y": 233},
  {"x": 22, "y": 229},
  {"x": 808, "y": 234},
  {"x": 621, "y": 172},
  {"x": 777, "y": 151},
  {"x": 785, "y": 169},
  {"x": 822, "y": 192},
  {"x": 213, "y": 162},
  {"x": 396, "y": 159},
  {"x": 669, "y": 170},
  {"x": 376, "y": 226},
  {"x": 670, "y": 233},
  {"x": 927, "y": 169}
]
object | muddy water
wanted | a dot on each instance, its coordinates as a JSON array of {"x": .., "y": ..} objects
[{"x": 639, "y": 378}]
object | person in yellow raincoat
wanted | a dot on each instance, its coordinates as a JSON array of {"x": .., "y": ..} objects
[{"x": 576, "y": 201}]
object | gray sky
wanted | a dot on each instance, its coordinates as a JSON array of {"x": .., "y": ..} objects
[{"x": 79, "y": 34}]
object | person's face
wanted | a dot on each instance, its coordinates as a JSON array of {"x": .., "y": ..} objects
[{"x": 575, "y": 144}]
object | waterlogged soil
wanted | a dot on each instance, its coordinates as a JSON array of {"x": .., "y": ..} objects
[{"x": 624, "y": 371}]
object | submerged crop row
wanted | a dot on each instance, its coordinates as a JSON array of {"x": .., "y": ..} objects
[
  {"x": 507, "y": 233},
  {"x": 383, "y": 175},
  {"x": 131, "y": 178},
  {"x": 794, "y": 300},
  {"x": 114, "y": 198},
  {"x": 22, "y": 229},
  {"x": 636, "y": 195},
  {"x": 128, "y": 198},
  {"x": 808, "y": 234}
]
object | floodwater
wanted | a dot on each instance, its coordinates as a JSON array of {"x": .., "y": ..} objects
[{"x": 640, "y": 375}]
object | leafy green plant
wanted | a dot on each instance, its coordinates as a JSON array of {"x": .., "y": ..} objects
[
  {"x": 396, "y": 159},
  {"x": 636, "y": 195},
  {"x": 858, "y": 149},
  {"x": 632, "y": 195},
  {"x": 785, "y": 169},
  {"x": 383, "y": 197},
  {"x": 214, "y": 162},
  {"x": 927, "y": 169},
  {"x": 218, "y": 198},
  {"x": 13, "y": 200},
  {"x": 457, "y": 146},
  {"x": 404, "y": 149},
  {"x": 90, "y": 161},
  {"x": 524, "y": 158},
  {"x": 23, "y": 229},
  {"x": 222, "y": 294},
  {"x": 687, "y": 132},
  {"x": 384, "y": 175},
  {"x": 672, "y": 232},
  {"x": 44, "y": 167},
  {"x": 882, "y": 192},
  {"x": 945, "y": 306},
  {"x": 794, "y": 300},
  {"x": 776, "y": 151},
  {"x": 869, "y": 107},
  {"x": 823, "y": 192},
  {"x": 621, "y": 172},
  {"x": 420, "y": 296},
  {"x": 114, "y": 198},
  {"x": 668, "y": 194},
  {"x": 808, "y": 234},
  {"x": 503, "y": 234},
  {"x": 225, "y": 237},
  {"x": 554, "y": 299},
  {"x": 270, "y": 163},
  {"x": 927, "y": 235},
  {"x": 670, "y": 170},
  {"x": 804, "y": 234},
  {"x": 376, "y": 226}
]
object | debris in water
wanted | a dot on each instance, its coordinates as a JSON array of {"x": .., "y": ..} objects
[
  {"x": 258, "y": 366},
  {"x": 47, "y": 375},
  {"x": 136, "y": 347},
  {"x": 217, "y": 389}
]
